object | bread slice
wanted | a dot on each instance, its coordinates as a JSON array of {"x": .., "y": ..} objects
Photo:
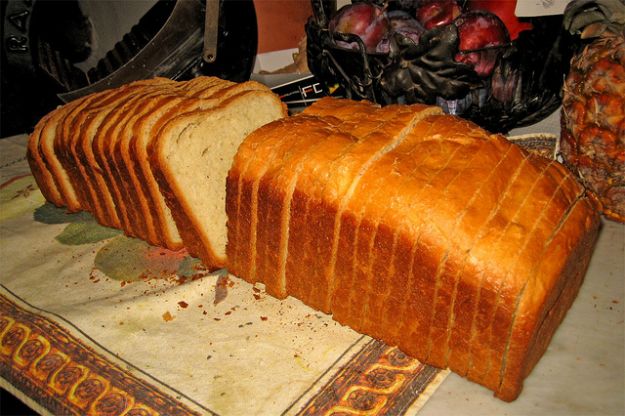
[
  {"x": 160, "y": 210},
  {"x": 161, "y": 226},
  {"x": 51, "y": 159},
  {"x": 468, "y": 292},
  {"x": 133, "y": 198},
  {"x": 42, "y": 175},
  {"x": 100, "y": 198},
  {"x": 212, "y": 137}
]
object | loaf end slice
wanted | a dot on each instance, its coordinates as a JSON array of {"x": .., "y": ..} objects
[{"x": 548, "y": 294}]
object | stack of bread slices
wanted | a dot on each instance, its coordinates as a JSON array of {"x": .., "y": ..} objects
[{"x": 151, "y": 157}]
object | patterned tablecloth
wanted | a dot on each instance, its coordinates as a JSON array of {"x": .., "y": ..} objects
[{"x": 93, "y": 322}]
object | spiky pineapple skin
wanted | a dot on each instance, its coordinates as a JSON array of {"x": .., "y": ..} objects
[{"x": 593, "y": 121}]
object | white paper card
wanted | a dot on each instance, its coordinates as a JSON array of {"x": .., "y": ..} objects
[{"x": 534, "y": 8}]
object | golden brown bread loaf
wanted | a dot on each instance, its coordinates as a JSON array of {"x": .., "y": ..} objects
[{"x": 419, "y": 229}]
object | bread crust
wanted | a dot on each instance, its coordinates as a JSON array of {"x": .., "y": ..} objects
[
  {"x": 507, "y": 230},
  {"x": 559, "y": 196},
  {"x": 275, "y": 189},
  {"x": 397, "y": 122},
  {"x": 42, "y": 175},
  {"x": 249, "y": 164},
  {"x": 277, "y": 184},
  {"x": 355, "y": 121},
  {"x": 489, "y": 153},
  {"x": 374, "y": 241},
  {"x": 51, "y": 159},
  {"x": 543, "y": 305},
  {"x": 464, "y": 310}
]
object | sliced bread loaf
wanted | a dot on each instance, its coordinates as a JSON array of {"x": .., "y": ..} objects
[{"x": 429, "y": 234}]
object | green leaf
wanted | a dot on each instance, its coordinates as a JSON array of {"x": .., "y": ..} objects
[
  {"x": 50, "y": 214},
  {"x": 130, "y": 259},
  {"x": 123, "y": 258},
  {"x": 85, "y": 232}
]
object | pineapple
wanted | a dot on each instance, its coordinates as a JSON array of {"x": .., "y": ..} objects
[{"x": 593, "y": 104}]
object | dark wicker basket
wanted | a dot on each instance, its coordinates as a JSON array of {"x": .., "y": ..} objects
[{"x": 531, "y": 67}]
